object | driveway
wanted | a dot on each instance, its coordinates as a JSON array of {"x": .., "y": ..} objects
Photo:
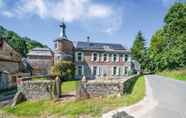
[{"x": 170, "y": 96}]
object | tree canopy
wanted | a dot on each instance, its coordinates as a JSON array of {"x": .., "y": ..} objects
[
  {"x": 138, "y": 49},
  {"x": 20, "y": 44}
]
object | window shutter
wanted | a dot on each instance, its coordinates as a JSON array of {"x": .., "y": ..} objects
[
  {"x": 123, "y": 57},
  {"x": 98, "y": 57},
  {"x": 82, "y": 72},
  {"x": 76, "y": 56},
  {"x": 112, "y": 57},
  {"x": 117, "y": 70},
  {"x": 102, "y": 57},
  {"x": 108, "y": 58},
  {"x": 112, "y": 71},
  {"x": 92, "y": 56},
  {"x": 82, "y": 56},
  {"x": 117, "y": 58},
  {"x": 91, "y": 69},
  {"x": 76, "y": 71}
]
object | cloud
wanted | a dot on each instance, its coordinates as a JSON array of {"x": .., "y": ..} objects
[
  {"x": 105, "y": 15},
  {"x": 70, "y": 10},
  {"x": 7, "y": 13},
  {"x": 99, "y": 11}
]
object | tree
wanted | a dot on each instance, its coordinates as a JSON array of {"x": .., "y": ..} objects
[
  {"x": 20, "y": 44},
  {"x": 168, "y": 45},
  {"x": 63, "y": 70},
  {"x": 138, "y": 49}
]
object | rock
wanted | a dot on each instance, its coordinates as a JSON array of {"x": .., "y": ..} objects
[{"x": 18, "y": 98}]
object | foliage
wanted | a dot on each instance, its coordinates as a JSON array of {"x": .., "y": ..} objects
[
  {"x": 21, "y": 44},
  {"x": 168, "y": 45},
  {"x": 64, "y": 69},
  {"x": 138, "y": 49},
  {"x": 179, "y": 74},
  {"x": 93, "y": 107}
]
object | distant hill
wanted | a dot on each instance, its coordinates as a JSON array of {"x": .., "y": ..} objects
[{"x": 20, "y": 44}]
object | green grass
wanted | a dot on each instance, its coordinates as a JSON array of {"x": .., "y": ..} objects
[
  {"x": 93, "y": 107},
  {"x": 179, "y": 74},
  {"x": 68, "y": 86}
]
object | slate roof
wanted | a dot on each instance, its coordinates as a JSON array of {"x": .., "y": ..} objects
[
  {"x": 102, "y": 46},
  {"x": 41, "y": 52}
]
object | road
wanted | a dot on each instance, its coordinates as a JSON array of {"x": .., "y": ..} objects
[{"x": 170, "y": 95}]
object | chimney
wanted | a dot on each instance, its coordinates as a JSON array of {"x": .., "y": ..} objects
[{"x": 88, "y": 39}]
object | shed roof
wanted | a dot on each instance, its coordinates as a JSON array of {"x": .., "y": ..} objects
[{"x": 41, "y": 52}]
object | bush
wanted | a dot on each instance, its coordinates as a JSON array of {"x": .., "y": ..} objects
[{"x": 64, "y": 69}]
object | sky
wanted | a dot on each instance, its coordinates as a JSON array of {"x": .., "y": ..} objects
[{"x": 108, "y": 21}]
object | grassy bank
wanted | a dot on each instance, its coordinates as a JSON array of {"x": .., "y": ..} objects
[
  {"x": 92, "y": 107},
  {"x": 179, "y": 74}
]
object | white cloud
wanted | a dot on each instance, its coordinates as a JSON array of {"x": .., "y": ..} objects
[
  {"x": 7, "y": 13},
  {"x": 86, "y": 11},
  {"x": 37, "y": 7},
  {"x": 70, "y": 10},
  {"x": 99, "y": 10}
]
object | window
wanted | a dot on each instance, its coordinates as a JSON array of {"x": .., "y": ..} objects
[
  {"x": 104, "y": 57},
  {"x": 80, "y": 70},
  {"x": 114, "y": 70},
  {"x": 126, "y": 58},
  {"x": 95, "y": 57},
  {"x": 79, "y": 56},
  {"x": 126, "y": 70},
  {"x": 94, "y": 70},
  {"x": 114, "y": 57}
]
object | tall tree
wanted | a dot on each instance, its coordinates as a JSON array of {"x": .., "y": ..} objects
[
  {"x": 168, "y": 45},
  {"x": 138, "y": 49}
]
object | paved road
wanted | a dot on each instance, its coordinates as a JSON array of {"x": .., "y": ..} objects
[{"x": 170, "y": 95}]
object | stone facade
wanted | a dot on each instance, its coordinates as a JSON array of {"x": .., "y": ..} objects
[
  {"x": 41, "y": 60},
  {"x": 39, "y": 89},
  {"x": 9, "y": 59},
  {"x": 108, "y": 63},
  {"x": 10, "y": 64},
  {"x": 63, "y": 48}
]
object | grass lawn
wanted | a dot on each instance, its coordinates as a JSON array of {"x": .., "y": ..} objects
[
  {"x": 179, "y": 74},
  {"x": 93, "y": 107},
  {"x": 69, "y": 86}
]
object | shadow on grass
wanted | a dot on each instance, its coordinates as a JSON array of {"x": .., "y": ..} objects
[{"x": 129, "y": 85}]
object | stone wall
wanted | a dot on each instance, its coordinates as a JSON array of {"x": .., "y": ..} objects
[
  {"x": 38, "y": 89},
  {"x": 107, "y": 87}
]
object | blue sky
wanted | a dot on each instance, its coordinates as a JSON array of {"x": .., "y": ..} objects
[{"x": 110, "y": 21}]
